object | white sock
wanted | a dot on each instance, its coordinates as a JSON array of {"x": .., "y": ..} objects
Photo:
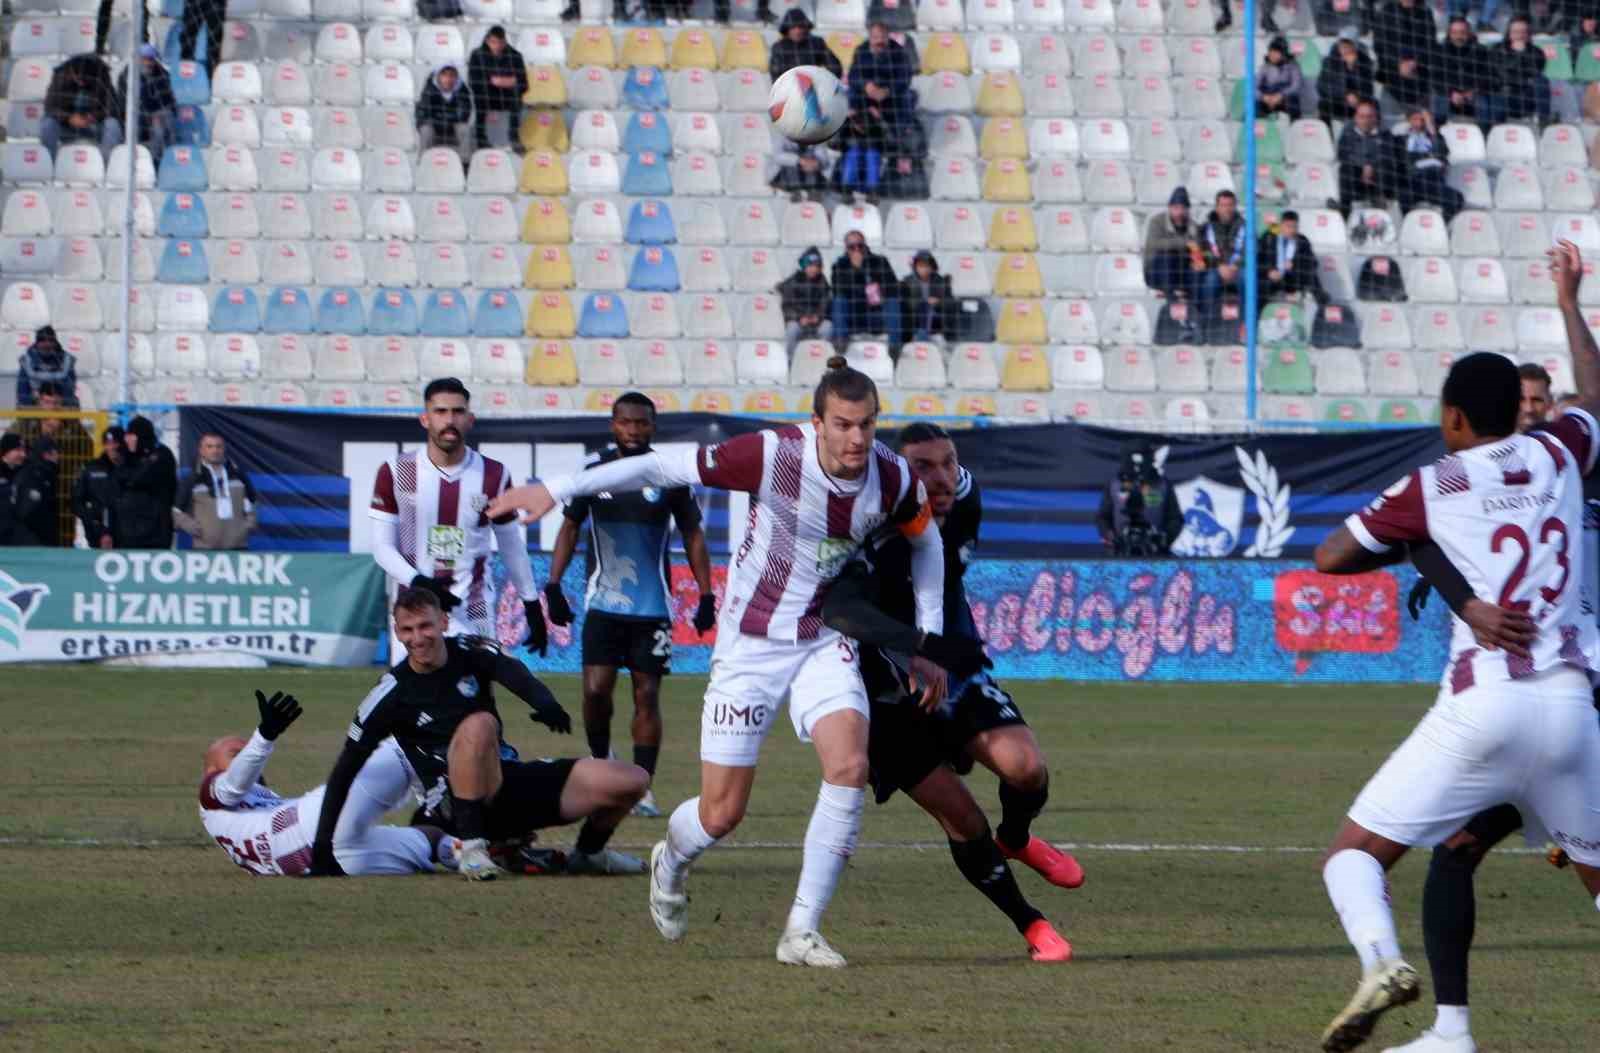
[
  {"x": 1451, "y": 1021},
  {"x": 1359, "y": 893},
  {"x": 830, "y": 839},
  {"x": 686, "y": 839}
]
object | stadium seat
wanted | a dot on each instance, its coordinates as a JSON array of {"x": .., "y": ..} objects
[
  {"x": 235, "y": 356},
  {"x": 710, "y": 363},
  {"x": 1540, "y": 330},
  {"x": 551, "y": 363},
  {"x": 181, "y": 354},
  {"x": 1436, "y": 329},
  {"x": 498, "y": 315},
  {"x": 1530, "y": 282},
  {"x": 550, "y": 316},
  {"x": 445, "y": 318},
  {"x": 604, "y": 316},
  {"x": 1021, "y": 322},
  {"x": 1518, "y": 187},
  {"x": 657, "y": 364},
  {"x": 393, "y": 313},
  {"x": 654, "y": 269},
  {"x": 1287, "y": 371},
  {"x": 1491, "y": 329},
  {"x": 1019, "y": 276},
  {"x": 1110, "y": 182},
  {"x": 183, "y": 262},
  {"x": 645, "y": 88},
  {"x": 696, "y": 174},
  {"x": 1129, "y": 368},
  {"x": 1567, "y": 189},
  {"x": 443, "y": 264},
  {"x": 1430, "y": 280},
  {"x": 334, "y": 358},
  {"x": 235, "y": 310},
  {"x": 391, "y": 359},
  {"x": 705, "y": 317},
  {"x": 1024, "y": 368},
  {"x": 1483, "y": 280},
  {"x": 25, "y": 307},
  {"x": 759, "y": 270},
  {"x": 707, "y": 270}
]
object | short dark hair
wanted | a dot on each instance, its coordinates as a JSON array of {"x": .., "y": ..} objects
[
  {"x": 1488, "y": 389},
  {"x": 52, "y": 389},
  {"x": 921, "y": 431},
  {"x": 204, "y": 435},
  {"x": 1289, "y": 214},
  {"x": 416, "y": 599},
  {"x": 1229, "y": 194},
  {"x": 445, "y": 386},
  {"x": 843, "y": 382},
  {"x": 1534, "y": 371},
  {"x": 634, "y": 398},
  {"x": 112, "y": 434}
]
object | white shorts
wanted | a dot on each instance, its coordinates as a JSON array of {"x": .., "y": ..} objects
[
  {"x": 361, "y": 846},
  {"x": 1531, "y": 743},
  {"x": 750, "y": 678}
]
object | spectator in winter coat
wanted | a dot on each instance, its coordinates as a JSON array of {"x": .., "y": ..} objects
[
  {"x": 1285, "y": 263},
  {"x": 1412, "y": 85},
  {"x": 1461, "y": 73},
  {"x": 1222, "y": 241},
  {"x": 1522, "y": 89},
  {"x": 444, "y": 109},
  {"x": 497, "y": 78},
  {"x": 217, "y": 505},
  {"x": 800, "y": 171},
  {"x": 147, "y": 486},
  {"x": 1366, "y": 160},
  {"x": 1171, "y": 249},
  {"x": 806, "y": 302},
  {"x": 94, "y": 494},
  {"x": 158, "y": 110},
  {"x": 880, "y": 78},
  {"x": 864, "y": 300},
  {"x": 1279, "y": 83},
  {"x": 1345, "y": 80},
  {"x": 46, "y": 362},
  {"x": 861, "y": 142},
  {"x": 80, "y": 104},
  {"x": 13, "y": 452},
  {"x": 797, "y": 47},
  {"x": 1401, "y": 25},
  {"x": 1425, "y": 159},
  {"x": 38, "y": 520},
  {"x": 928, "y": 301},
  {"x": 1585, "y": 33}
]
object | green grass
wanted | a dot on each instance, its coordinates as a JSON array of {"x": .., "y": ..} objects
[{"x": 168, "y": 947}]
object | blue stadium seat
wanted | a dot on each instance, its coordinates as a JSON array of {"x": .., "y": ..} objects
[
  {"x": 288, "y": 311},
  {"x": 184, "y": 216},
  {"x": 236, "y": 310},
  {"x": 647, "y": 174},
  {"x": 340, "y": 311},
  {"x": 654, "y": 269},
  {"x": 445, "y": 314},
  {"x": 183, "y": 168},
  {"x": 394, "y": 313},
  {"x": 650, "y": 223},
  {"x": 603, "y": 316},
  {"x": 183, "y": 262},
  {"x": 191, "y": 127},
  {"x": 191, "y": 86},
  {"x": 498, "y": 314},
  {"x": 645, "y": 89},
  {"x": 647, "y": 131}
]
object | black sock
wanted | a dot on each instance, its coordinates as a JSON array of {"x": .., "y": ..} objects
[
  {"x": 981, "y": 863},
  {"x": 1449, "y": 915},
  {"x": 1018, "y": 808},
  {"x": 468, "y": 817},
  {"x": 591, "y": 839},
  {"x": 599, "y": 741},
  {"x": 645, "y": 757}
]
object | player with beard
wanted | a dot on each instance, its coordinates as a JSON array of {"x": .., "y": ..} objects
[{"x": 628, "y": 607}]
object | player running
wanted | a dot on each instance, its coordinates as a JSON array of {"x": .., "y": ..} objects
[
  {"x": 1507, "y": 511},
  {"x": 271, "y": 835},
  {"x": 439, "y": 705},
  {"x": 818, "y": 491},
  {"x": 627, "y": 622},
  {"x": 431, "y": 528}
]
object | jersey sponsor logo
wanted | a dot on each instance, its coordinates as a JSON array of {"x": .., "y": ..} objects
[
  {"x": 446, "y": 542},
  {"x": 18, "y": 602},
  {"x": 468, "y": 686},
  {"x": 832, "y": 552}
]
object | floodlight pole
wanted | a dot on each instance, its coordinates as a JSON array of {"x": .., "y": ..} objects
[{"x": 130, "y": 139}]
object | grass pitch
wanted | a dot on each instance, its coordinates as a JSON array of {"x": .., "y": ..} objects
[{"x": 126, "y": 930}]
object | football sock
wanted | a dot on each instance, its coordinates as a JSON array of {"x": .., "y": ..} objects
[
  {"x": 1018, "y": 809},
  {"x": 1449, "y": 915},
  {"x": 1357, "y": 887},
  {"x": 686, "y": 839},
  {"x": 445, "y": 852},
  {"x": 645, "y": 757},
  {"x": 592, "y": 839},
  {"x": 981, "y": 863},
  {"x": 1452, "y": 1021},
  {"x": 830, "y": 839},
  {"x": 599, "y": 736},
  {"x": 468, "y": 817}
]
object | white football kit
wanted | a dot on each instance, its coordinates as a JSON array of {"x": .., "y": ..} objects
[
  {"x": 1509, "y": 515},
  {"x": 272, "y": 835}
]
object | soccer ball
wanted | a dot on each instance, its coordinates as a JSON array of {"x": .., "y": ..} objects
[{"x": 808, "y": 104}]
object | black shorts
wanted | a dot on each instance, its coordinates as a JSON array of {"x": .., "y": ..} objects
[
  {"x": 635, "y": 644},
  {"x": 905, "y": 745},
  {"x": 529, "y": 799}
]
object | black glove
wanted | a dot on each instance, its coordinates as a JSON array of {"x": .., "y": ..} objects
[
  {"x": 705, "y": 615},
  {"x": 556, "y": 602},
  {"x": 1418, "y": 598},
  {"x": 277, "y": 713},
  {"x": 538, "y": 636},
  {"x": 447, "y": 599},
  {"x": 961, "y": 656},
  {"x": 322, "y": 862},
  {"x": 552, "y": 716}
]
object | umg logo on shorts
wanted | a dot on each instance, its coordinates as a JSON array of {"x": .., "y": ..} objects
[{"x": 741, "y": 718}]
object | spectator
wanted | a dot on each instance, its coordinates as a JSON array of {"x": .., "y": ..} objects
[
  {"x": 94, "y": 493},
  {"x": 38, "y": 519},
  {"x": 1461, "y": 73},
  {"x": 217, "y": 507},
  {"x": 46, "y": 362},
  {"x": 1222, "y": 240},
  {"x": 1225, "y": 18},
  {"x": 1412, "y": 85},
  {"x": 928, "y": 301},
  {"x": 880, "y": 78},
  {"x": 904, "y": 177},
  {"x": 13, "y": 451},
  {"x": 800, "y": 171},
  {"x": 1345, "y": 80},
  {"x": 805, "y": 299},
  {"x": 102, "y": 24},
  {"x": 444, "y": 109},
  {"x": 1487, "y": 15},
  {"x": 864, "y": 299},
  {"x": 1172, "y": 248},
  {"x": 158, "y": 110},
  {"x": 497, "y": 79},
  {"x": 1279, "y": 84},
  {"x": 80, "y": 104},
  {"x": 1585, "y": 33},
  {"x": 212, "y": 13},
  {"x": 1522, "y": 89},
  {"x": 147, "y": 485},
  {"x": 1286, "y": 264},
  {"x": 861, "y": 143},
  {"x": 1366, "y": 160},
  {"x": 71, "y": 438},
  {"x": 1401, "y": 25},
  {"x": 1426, "y": 159},
  {"x": 722, "y": 11},
  {"x": 797, "y": 47}
]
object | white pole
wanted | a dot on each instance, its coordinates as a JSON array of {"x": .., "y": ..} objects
[{"x": 130, "y": 138}]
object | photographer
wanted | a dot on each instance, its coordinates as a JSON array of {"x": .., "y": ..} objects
[{"x": 1139, "y": 513}]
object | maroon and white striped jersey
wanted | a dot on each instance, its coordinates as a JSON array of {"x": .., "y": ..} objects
[
  {"x": 442, "y": 528},
  {"x": 1509, "y": 515},
  {"x": 259, "y": 830}
]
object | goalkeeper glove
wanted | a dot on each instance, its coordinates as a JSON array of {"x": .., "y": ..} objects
[
  {"x": 705, "y": 615},
  {"x": 1418, "y": 599},
  {"x": 962, "y": 656},
  {"x": 447, "y": 599},
  {"x": 277, "y": 713},
  {"x": 556, "y": 601},
  {"x": 538, "y": 635},
  {"x": 552, "y": 716}
]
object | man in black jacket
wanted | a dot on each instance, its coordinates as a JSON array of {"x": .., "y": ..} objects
[
  {"x": 797, "y": 47},
  {"x": 38, "y": 520},
  {"x": 498, "y": 78},
  {"x": 443, "y": 107},
  {"x": 864, "y": 294},
  {"x": 13, "y": 451},
  {"x": 158, "y": 109},
  {"x": 1461, "y": 73},
  {"x": 1366, "y": 160},
  {"x": 1425, "y": 158},
  {"x": 928, "y": 301},
  {"x": 1401, "y": 25},
  {"x": 147, "y": 486},
  {"x": 210, "y": 13},
  {"x": 80, "y": 104},
  {"x": 1286, "y": 263},
  {"x": 94, "y": 494}
]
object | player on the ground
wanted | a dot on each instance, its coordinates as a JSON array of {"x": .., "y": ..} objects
[
  {"x": 431, "y": 528},
  {"x": 1507, "y": 511},
  {"x": 818, "y": 491},
  {"x": 438, "y": 703},
  {"x": 628, "y": 607},
  {"x": 268, "y": 834}
]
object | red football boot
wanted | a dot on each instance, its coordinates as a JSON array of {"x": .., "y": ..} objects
[
  {"x": 1045, "y": 944},
  {"x": 1054, "y": 865}
]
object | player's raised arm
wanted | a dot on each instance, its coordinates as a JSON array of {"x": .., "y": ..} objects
[
  {"x": 1566, "y": 271},
  {"x": 232, "y": 784}
]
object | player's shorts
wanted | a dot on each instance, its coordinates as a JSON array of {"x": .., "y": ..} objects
[
  {"x": 529, "y": 798},
  {"x": 1534, "y": 744},
  {"x": 750, "y": 678},
  {"x": 635, "y": 644},
  {"x": 905, "y": 744}
]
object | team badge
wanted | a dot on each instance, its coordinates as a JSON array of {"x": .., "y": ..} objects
[
  {"x": 478, "y": 502},
  {"x": 651, "y": 494},
  {"x": 468, "y": 686}
]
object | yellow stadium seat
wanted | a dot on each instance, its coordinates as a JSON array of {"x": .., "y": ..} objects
[
  {"x": 924, "y": 404},
  {"x": 666, "y": 400},
  {"x": 546, "y": 223},
  {"x": 643, "y": 46},
  {"x": 743, "y": 49},
  {"x": 694, "y": 49},
  {"x": 1007, "y": 180},
  {"x": 547, "y": 88},
  {"x": 550, "y": 317},
  {"x": 551, "y": 364},
  {"x": 1021, "y": 322},
  {"x": 1025, "y": 368},
  {"x": 543, "y": 173},
  {"x": 765, "y": 401},
  {"x": 544, "y": 130},
  {"x": 549, "y": 267},
  {"x": 1003, "y": 137},
  {"x": 979, "y": 405},
  {"x": 1018, "y": 276},
  {"x": 999, "y": 96},
  {"x": 711, "y": 402},
  {"x": 1012, "y": 230},
  {"x": 843, "y": 44},
  {"x": 599, "y": 400},
  {"x": 591, "y": 46},
  {"x": 946, "y": 53}
]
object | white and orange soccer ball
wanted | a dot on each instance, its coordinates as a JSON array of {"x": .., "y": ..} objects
[{"x": 808, "y": 104}]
